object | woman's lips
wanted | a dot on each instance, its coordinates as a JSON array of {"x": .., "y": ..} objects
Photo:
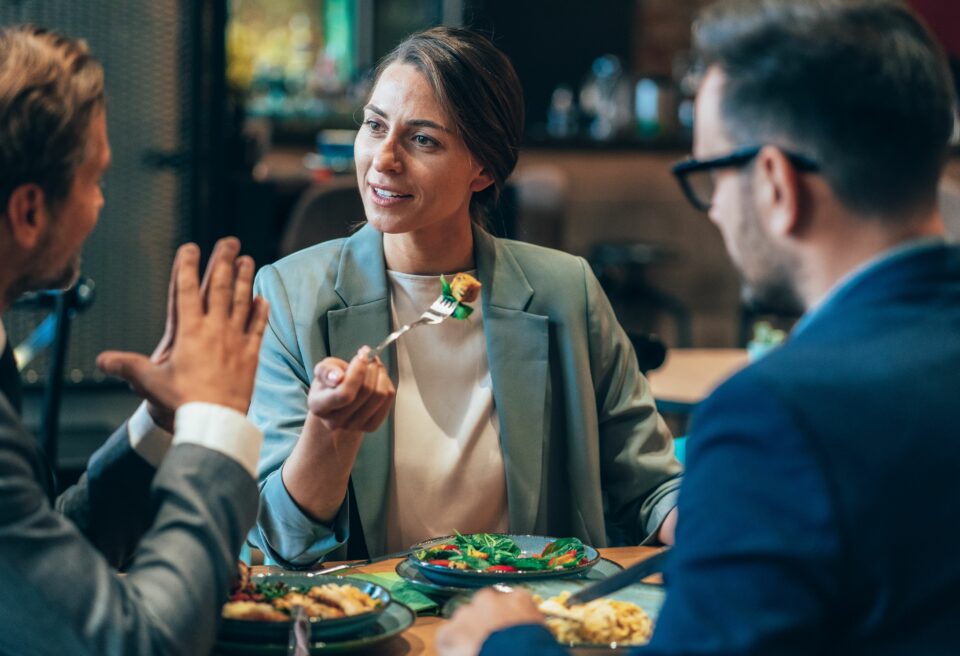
[{"x": 386, "y": 197}]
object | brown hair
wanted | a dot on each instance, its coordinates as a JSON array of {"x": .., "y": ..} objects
[
  {"x": 50, "y": 87},
  {"x": 860, "y": 86},
  {"x": 478, "y": 87}
]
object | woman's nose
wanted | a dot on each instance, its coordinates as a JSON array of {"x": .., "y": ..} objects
[{"x": 387, "y": 157}]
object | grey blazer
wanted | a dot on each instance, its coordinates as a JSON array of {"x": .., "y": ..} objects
[
  {"x": 175, "y": 530},
  {"x": 578, "y": 427}
]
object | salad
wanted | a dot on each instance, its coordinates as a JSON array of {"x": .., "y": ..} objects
[{"x": 488, "y": 552}]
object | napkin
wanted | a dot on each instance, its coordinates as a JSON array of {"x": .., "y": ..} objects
[{"x": 401, "y": 591}]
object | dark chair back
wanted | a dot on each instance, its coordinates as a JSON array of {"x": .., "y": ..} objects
[{"x": 325, "y": 211}]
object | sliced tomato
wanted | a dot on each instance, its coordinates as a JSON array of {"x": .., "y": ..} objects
[
  {"x": 501, "y": 568},
  {"x": 440, "y": 562},
  {"x": 563, "y": 559}
]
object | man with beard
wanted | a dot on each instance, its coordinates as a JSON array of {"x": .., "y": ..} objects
[
  {"x": 818, "y": 514},
  {"x": 169, "y": 507}
]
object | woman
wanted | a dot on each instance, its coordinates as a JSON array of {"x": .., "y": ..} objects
[{"x": 507, "y": 421}]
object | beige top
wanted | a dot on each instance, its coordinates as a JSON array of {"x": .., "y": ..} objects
[{"x": 447, "y": 466}]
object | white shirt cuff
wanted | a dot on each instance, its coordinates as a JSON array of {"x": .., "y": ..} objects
[
  {"x": 146, "y": 438},
  {"x": 221, "y": 429}
]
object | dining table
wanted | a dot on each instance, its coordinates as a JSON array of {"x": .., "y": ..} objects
[{"x": 420, "y": 639}]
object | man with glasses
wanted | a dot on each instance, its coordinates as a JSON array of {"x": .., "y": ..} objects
[{"x": 819, "y": 512}]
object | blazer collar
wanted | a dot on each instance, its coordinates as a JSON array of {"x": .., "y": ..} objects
[{"x": 362, "y": 276}]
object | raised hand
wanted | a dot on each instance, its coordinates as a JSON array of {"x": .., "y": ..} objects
[{"x": 211, "y": 344}]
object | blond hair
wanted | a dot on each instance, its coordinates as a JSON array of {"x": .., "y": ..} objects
[{"x": 50, "y": 87}]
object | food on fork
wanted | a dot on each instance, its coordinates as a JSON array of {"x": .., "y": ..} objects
[
  {"x": 463, "y": 289},
  {"x": 598, "y": 622}
]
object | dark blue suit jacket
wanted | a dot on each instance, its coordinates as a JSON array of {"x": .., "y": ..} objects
[{"x": 820, "y": 513}]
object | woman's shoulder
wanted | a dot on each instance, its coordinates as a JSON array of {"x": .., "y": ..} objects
[
  {"x": 546, "y": 266},
  {"x": 306, "y": 271},
  {"x": 540, "y": 256}
]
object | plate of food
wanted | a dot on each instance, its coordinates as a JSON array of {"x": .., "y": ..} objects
[
  {"x": 412, "y": 575},
  {"x": 394, "y": 620},
  {"x": 618, "y": 622},
  {"x": 479, "y": 559},
  {"x": 259, "y": 608}
]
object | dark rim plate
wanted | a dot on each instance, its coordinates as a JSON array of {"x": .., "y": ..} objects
[
  {"x": 409, "y": 573},
  {"x": 649, "y": 597},
  {"x": 471, "y": 578},
  {"x": 393, "y": 621},
  {"x": 320, "y": 629}
]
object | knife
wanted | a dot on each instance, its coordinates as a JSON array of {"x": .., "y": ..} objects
[
  {"x": 368, "y": 561},
  {"x": 621, "y": 579}
]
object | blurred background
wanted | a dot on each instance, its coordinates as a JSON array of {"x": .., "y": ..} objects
[{"x": 238, "y": 117}]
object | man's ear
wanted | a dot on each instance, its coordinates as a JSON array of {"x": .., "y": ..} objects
[
  {"x": 777, "y": 190},
  {"x": 482, "y": 181},
  {"x": 27, "y": 214}
]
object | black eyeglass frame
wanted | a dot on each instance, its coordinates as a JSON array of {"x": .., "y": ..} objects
[{"x": 736, "y": 159}]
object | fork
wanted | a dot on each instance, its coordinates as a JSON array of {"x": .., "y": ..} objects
[{"x": 437, "y": 312}]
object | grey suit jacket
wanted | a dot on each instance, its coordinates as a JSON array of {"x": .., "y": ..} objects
[
  {"x": 578, "y": 427},
  {"x": 176, "y": 530}
]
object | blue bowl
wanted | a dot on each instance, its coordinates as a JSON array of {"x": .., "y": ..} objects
[
  {"x": 320, "y": 628},
  {"x": 465, "y": 578}
]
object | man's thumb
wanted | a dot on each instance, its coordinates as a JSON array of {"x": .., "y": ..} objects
[{"x": 132, "y": 367}]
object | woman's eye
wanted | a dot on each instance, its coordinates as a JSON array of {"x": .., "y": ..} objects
[
  {"x": 373, "y": 125},
  {"x": 423, "y": 140}
]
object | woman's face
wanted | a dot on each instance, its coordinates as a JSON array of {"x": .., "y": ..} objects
[{"x": 414, "y": 171}]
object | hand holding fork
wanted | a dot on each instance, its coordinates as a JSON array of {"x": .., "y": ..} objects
[{"x": 356, "y": 396}]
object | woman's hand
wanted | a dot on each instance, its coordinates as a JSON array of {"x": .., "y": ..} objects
[{"x": 354, "y": 396}]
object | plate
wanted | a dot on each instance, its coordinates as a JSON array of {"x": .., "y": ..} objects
[
  {"x": 648, "y": 596},
  {"x": 320, "y": 629},
  {"x": 412, "y": 575},
  {"x": 466, "y": 578},
  {"x": 393, "y": 621}
]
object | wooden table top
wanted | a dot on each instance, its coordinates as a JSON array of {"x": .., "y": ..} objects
[
  {"x": 420, "y": 638},
  {"x": 688, "y": 376}
]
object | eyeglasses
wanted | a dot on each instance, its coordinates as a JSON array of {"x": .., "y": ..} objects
[{"x": 698, "y": 179}]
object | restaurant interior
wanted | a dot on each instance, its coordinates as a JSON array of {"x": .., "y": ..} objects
[{"x": 238, "y": 117}]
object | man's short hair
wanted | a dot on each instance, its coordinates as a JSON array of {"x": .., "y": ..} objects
[
  {"x": 50, "y": 87},
  {"x": 860, "y": 86}
]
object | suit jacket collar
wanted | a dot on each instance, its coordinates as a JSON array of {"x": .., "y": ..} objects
[{"x": 517, "y": 349}]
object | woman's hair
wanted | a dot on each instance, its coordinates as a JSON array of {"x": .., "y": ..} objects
[
  {"x": 50, "y": 86},
  {"x": 476, "y": 84}
]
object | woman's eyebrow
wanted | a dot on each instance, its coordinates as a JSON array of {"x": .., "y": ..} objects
[{"x": 417, "y": 122}]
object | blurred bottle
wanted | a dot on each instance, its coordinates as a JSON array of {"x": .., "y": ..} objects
[
  {"x": 562, "y": 115},
  {"x": 606, "y": 96}
]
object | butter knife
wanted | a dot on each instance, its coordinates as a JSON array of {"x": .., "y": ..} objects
[
  {"x": 368, "y": 561},
  {"x": 621, "y": 579}
]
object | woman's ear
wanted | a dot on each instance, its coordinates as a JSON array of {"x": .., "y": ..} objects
[
  {"x": 482, "y": 181},
  {"x": 777, "y": 190},
  {"x": 27, "y": 215}
]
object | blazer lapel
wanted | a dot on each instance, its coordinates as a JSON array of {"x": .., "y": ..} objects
[
  {"x": 517, "y": 350},
  {"x": 362, "y": 286}
]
